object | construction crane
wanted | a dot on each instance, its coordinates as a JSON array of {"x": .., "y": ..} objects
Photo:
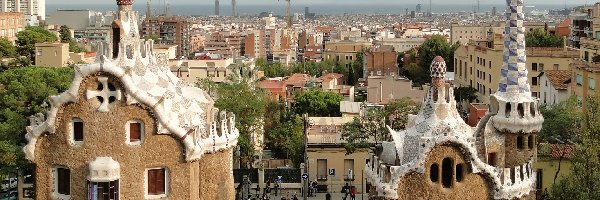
[{"x": 288, "y": 13}]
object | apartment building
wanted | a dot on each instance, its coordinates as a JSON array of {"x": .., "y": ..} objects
[
  {"x": 381, "y": 61},
  {"x": 585, "y": 80},
  {"x": 217, "y": 71},
  {"x": 171, "y": 31},
  {"x": 10, "y": 24},
  {"x": 326, "y": 154},
  {"x": 51, "y": 54},
  {"x": 402, "y": 44},
  {"x": 478, "y": 65},
  {"x": 74, "y": 19},
  {"x": 35, "y": 8},
  {"x": 344, "y": 51},
  {"x": 274, "y": 45},
  {"x": 464, "y": 33},
  {"x": 383, "y": 89},
  {"x": 226, "y": 43}
]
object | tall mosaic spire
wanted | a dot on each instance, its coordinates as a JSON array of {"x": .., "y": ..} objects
[
  {"x": 514, "y": 81},
  {"x": 515, "y": 109}
]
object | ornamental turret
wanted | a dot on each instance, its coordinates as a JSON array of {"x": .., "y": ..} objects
[{"x": 514, "y": 108}]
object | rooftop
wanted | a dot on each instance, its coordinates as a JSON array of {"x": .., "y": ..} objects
[{"x": 559, "y": 78}]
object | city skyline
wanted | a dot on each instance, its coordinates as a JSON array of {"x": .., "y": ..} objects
[{"x": 355, "y": 2}]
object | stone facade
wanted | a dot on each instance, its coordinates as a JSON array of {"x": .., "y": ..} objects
[{"x": 87, "y": 130}]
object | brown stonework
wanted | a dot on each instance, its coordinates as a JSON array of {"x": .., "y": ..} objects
[
  {"x": 216, "y": 178},
  {"x": 420, "y": 186},
  {"x": 515, "y": 156},
  {"x": 105, "y": 136}
]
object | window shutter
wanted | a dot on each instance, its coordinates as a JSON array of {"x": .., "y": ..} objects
[
  {"x": 152, "y": 181},
  {"x": 78, "y": 131},
  {"x": 135, "y": 132},
  {"x": 64, "y": 181},
  {"x": 160, "y": 181}
]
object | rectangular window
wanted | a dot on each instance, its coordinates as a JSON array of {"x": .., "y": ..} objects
[
  {"x": 579, "y": 79},
  {"x": 556, "y": 66},
  {"x": 534, "y": 66},
  {"x": 322, "y": 169},
  {"x": 156, "y": 182},
  {"x": 534, "y": 80},
  {"x": 39, "y": 52},
  {"x": 63, "y": 181},
  {"x": 135, "y": 132},
  {"x": 348, "y": 168},
  {"x": 103, "y": 190},
  {"x": 592, "y": 84},
  {"x": 78, "y": 131},
  {"x": 492, "y": 159}
]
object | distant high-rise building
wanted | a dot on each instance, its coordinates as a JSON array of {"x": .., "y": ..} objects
[
  {"x": 494, "y": 11},
  {"x": 216, "y": 7},
  {"x": 234, "y": 8},
  {"x": 418, "y": 9},
  {"x": 306, "y": 11},
  {"x": 27, "y": 7}
]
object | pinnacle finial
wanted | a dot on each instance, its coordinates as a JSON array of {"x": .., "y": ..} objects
[
  {"x": 438, "y": 71},
  {"x": 125, "y": 2}
]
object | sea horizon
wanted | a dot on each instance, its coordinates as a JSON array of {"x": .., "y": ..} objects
[{"x": 319, "y": 9}]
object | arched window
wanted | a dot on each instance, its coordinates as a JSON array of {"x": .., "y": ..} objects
[
  {"x": 521, "y": 110},
  {"x": 512, "y": 175},
  {"x": 459, "y": 172},
  {"x": 447, "y": 170},
  {"x": 434, "y": 173},
  {"x": 519, "y": 142},
  {"x": 508, "y": 109},
  {"x": 521, "y": 170}
]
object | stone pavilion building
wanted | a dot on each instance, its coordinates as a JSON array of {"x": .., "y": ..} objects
[{"x": 127, "y": 128}]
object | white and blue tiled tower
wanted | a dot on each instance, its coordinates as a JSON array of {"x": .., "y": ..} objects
[{"x": 516, "y": 110}]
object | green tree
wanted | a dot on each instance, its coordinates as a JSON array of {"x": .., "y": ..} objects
[
  {"x": 462, "y": 94},
  {"x": 65, "y": 34},
  {"x": 582, "y": 183},
  {"x": 239, "y": 97},
  {"x": 364, "y": 132},
  {"x": 397, "y": 112},
  {"x": 287, "y": 139},
  {"x": 318, "y": 103},
  {"x": 22, "y": 93},
  {"x": 415, "y": 73},
  {"x": 560, "y": 121},
  {"x": 27, "y": 39},
  {"x": 541, "y": 38},
  {"x": 154, "y": 38},
  {"x": 437, "y": 45},
  {"x": 7, "y": 49}
]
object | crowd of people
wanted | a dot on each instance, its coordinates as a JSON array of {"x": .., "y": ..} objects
[{"x": 245, "y": 192}]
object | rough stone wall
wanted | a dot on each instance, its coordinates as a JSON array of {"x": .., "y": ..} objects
[
  {"x": 514, "y": 156},
  {"x": 420, "y": 186},
  {"x": 216, "y": 177},
  {"x": 104, "y": 136}
]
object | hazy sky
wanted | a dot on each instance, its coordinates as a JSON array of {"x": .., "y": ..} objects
[{"x": 308, "y": 2}]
